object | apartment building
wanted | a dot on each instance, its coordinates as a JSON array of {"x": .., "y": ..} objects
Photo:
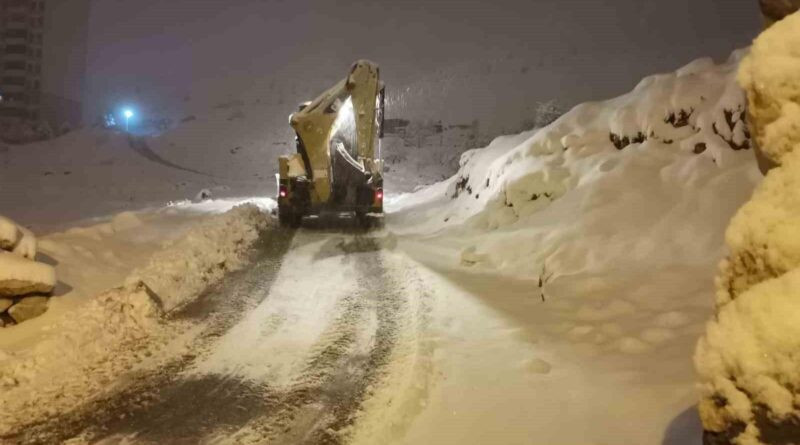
[{"x": 21, "y": 30}]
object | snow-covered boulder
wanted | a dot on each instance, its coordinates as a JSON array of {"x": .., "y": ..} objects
[
  {"x": 27, "y": 308},
  {"x": 21, "y": 276},
  {"x": 17, "y": 239},
  {"x": 26, "y": 245},
  {"x": 748, "y": 359},
  {"x": 9, "y": 233}
]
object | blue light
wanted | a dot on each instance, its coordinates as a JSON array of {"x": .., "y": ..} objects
[{"x": 127, "y": 113}]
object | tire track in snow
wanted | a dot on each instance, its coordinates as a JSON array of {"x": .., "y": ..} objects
[
  {"x": 166, "y": 406},
  {"x": 329, "y": 394},
  {"x": 347, "y": 359}
]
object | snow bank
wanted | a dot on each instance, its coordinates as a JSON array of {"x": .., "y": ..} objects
[
  {"x": 650, "y": 177},
  {"x": 601, "y": 231},
  {"x": 123, "y": 328},
  {"x": 187, "y": 266},
  {"x": 696, "y": 109},
  {"x": 112, "y": 334}
]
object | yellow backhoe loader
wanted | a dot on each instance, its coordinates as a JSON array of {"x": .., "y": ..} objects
[{"x": 338, "y": 166}]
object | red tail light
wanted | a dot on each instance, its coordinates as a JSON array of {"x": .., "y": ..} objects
[
  {"x": 379, "y": 195},
  {"x": 282, "y": 191}
]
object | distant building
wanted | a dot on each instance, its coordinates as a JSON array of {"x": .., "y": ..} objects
[{"x": 21, "y": 29}]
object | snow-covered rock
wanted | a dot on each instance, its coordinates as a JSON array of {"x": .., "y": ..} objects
[
  {"x": 26, "y": 245},
  {"x": 202, "y": 195},
  {"x": 17, "y": 239},
  {"x": 9, "y": 233},
  {"x": 21, "y": 276},
  {"x": 28, "y": 308}
]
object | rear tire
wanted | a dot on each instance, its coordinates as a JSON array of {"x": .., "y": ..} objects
[{"x": 289, "y": 218}]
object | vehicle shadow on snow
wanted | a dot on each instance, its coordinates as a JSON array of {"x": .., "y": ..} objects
[
  {"x": 345, "y": 246},
  {"x": 193, "y": 409},
  {"x": 684, "y": 429}
]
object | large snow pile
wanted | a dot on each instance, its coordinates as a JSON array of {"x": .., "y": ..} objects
[
  {"x": 748, "y": 360},
  {"x": 652, "y": 175},
  {"x": 187, "y": 266},
  {"x": 123, "y": 329}
]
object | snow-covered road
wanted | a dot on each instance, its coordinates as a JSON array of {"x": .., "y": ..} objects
[
  {"x": 289, "y": 348},
  {"x": 344, "y": 336}
]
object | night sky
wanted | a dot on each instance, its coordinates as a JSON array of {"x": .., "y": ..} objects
[{"x": 452, "y": 60}]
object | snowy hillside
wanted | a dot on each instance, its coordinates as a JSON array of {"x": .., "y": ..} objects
[
  {"x": 225, "y": 148},
  {"x": 93, "y": 173}
]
